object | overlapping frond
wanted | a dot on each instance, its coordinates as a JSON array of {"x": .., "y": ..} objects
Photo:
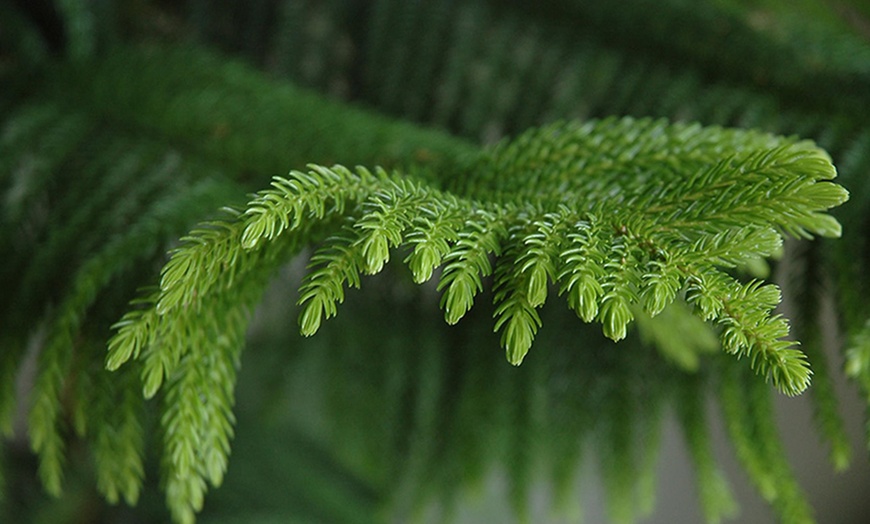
[
  {"x": 643, "y": 228},
  {"x": 188, "y": 335},
  {"x": 616, "y": 230},
  {"x": 610, "y": 238}
]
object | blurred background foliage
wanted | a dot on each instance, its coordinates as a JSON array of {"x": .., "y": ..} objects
[{"x": 388, "y": 414}]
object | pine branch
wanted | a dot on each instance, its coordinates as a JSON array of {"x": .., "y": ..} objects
[
  {"x": 627, "y": 218},
  {"x": 610, "y": 256},
  {"x": 634, "y": 241},
  {"x": 743, "y": 308},
  {"x": 123, "y": 173},
  {"x": 468, "y": 263},
  {"x": 584, "y": 268},
  {"x": 189, "y": 344},
  {"x": 335, "y": 264},
  {"x": 435, "y": 229}
]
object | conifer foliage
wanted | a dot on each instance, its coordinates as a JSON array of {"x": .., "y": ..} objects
[{"x": 136, "y": 262}]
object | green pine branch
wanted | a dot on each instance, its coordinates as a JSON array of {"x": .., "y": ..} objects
[
  {"x": 615, "y": 230},
  {"x": 628, "y": 219},
  {"x": 745, "y": 309}
]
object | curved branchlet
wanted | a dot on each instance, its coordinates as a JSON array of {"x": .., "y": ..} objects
[
  {"x": 334, "y": 265},
  {"x": 468, "y": 262},
  {"x": 435, "y": 229},
  {"x": 609, "y": 240},
  {"x": 624, "y": 217},
  {"x": 116, "y": 256},
  {"x": 662, "y": 208},
  {"x": 188, "y": 335},
  {"x": 522, "y": 278}
]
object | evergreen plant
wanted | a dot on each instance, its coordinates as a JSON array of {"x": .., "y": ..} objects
[{"x": 610, "y": 198}]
